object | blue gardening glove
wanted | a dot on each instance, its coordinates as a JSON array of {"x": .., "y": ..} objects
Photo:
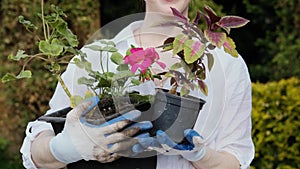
[
  {"x": 102, "y": 143},
  {"x": 163, "y": 144}
]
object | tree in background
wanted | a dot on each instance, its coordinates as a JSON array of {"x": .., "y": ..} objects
[
  {"x": 280, "y": 44},
  {"x": 270, "y": 43}
]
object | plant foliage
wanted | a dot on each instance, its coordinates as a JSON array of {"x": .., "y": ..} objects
[{"x": 276, "y": 124}]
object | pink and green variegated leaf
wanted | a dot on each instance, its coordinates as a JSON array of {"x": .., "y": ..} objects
[
  {"x": 229, "y": 47},
  {"x": 203, "y": 87},
  {"x": 193, "y": 50},
  {"x": 228, "y": 22},
  {"x": 178, "y": 43},
  {"x": 211, "y": 14},
  {"x": 215, "y": 38}
]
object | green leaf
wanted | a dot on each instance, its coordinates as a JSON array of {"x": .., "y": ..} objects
[
  {"x": 193, "y": 50},
  {"x": 109, "y": 43},
  {"x": 109, "y": 75},
  {"x": 8, "y": 77},
  {"x": 26, "y": 23},
  {"x": 128, "y": 52},
  {"x": 210, "y": 61},
  {"x": 51, "y": 49},
  {"x": 123, "y": 67},
  {"x": 83, "y": 64},
  {"x": 62, "y": 27},
  {"x": 20, "y": 55},
  {"x": 186, "y": 67},
  {"x": 109, "y": 49},
  {"x": 86, "y": 81},
  {"x": 24, "y": 74},
  {"x": 184, "y": 91},
  {"x": 117, "y": 58},
  {"x": 94, "y": 47},
  {"x": 122, "y": 75},
  {"x": 103, "y": 80},
  {"x": 55, "y": 67},
  {"x": 176, "y": 66},
  {"x": 11, "y": 77},
  {"x": 58, "y": 10},
  {"x": 135, "y": 81}
]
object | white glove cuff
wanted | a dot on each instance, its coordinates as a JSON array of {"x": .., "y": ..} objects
[
  {"x": 195, "y": 156},
  {"x": 63, "y": 149}
]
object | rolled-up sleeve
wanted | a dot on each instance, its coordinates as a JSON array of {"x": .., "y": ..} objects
[{"x": 32, "y": 130}]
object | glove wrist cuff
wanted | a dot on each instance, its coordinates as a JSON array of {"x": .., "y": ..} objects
[
  {"x": 196, "y": 156},
  {"x": 63, "y": 149}
]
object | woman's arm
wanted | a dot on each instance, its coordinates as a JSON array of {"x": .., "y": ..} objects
[
  {"x": 40, "y": 151},
  {"x": 216, "y": 160},
  {"x": 233, "y": 147}
]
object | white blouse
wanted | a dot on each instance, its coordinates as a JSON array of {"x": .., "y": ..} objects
[{"x": 224, "y": 121}]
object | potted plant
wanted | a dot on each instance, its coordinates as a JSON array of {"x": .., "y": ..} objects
[{"x": 133, "y": 69}]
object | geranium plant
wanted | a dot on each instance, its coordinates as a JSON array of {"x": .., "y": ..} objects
[
  {"x": 56, "y": 47},
  {"x": 105, "y": 82}
]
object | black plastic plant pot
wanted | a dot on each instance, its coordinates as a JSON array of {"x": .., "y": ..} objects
[
  {"x": 173, "y": 114},
  {"x": 57, "y": 119},
  {"x": 105, "y": 111}
]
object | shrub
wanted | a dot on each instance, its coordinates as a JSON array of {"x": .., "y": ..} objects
[{"x": 276, "y": 124}]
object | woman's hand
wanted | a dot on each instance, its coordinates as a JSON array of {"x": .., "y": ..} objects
[
  {"x": 193, "y": 151},
  {"x": 104, "y": 143}
]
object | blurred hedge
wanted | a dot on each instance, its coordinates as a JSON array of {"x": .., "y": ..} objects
[
  {"x": 276, "y": 124},
  {"x": 23, "y": 101}
]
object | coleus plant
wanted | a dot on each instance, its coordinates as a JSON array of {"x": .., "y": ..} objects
[{"x": 193, "y": 44}]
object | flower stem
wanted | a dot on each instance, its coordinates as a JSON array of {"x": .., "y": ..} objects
[{"x": 43, "y": 20}]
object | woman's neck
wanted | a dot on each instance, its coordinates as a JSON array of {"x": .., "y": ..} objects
[{"x": 152, "y": 34}]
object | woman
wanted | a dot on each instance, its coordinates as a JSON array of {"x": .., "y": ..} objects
[{"x": 224, "y": 122}]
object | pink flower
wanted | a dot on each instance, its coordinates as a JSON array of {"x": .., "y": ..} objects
[{"x": 143, "y": 59}]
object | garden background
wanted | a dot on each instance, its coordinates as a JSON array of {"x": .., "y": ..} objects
[{"x": 270, "y": 45}]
